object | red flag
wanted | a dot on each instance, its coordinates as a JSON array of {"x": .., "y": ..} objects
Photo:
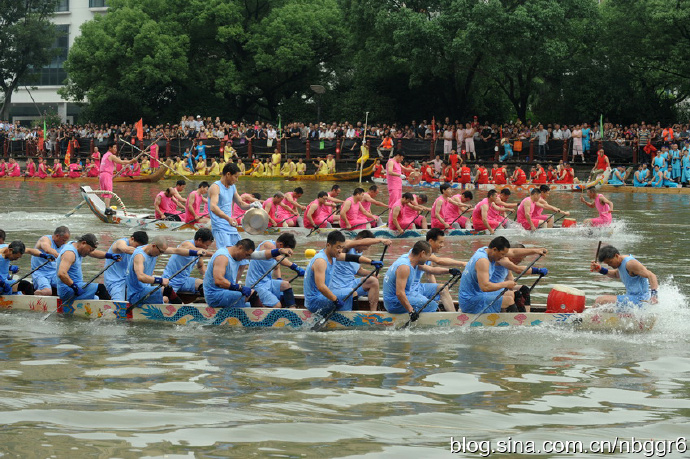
[
  {"x": 139, "y": 125},
  {"x": 433, "y": 127},
  {"x": 68, "y": 154}
]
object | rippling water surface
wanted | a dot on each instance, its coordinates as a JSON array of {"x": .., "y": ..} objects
[{"x": 72, "y": 388}]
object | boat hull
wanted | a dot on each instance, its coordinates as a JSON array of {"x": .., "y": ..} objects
[
  {"x": 301, "y": 319},
  {"x": 337, "y": 177},
  {"x": 643, "y": 190},
  {"x": 150, "y": 178}
]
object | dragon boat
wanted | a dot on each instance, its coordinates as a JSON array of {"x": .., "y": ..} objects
[
  {"x": 156, "y": 176},
  {"x": 302, "y": 319},
  {"x": 488, "y": 186}
]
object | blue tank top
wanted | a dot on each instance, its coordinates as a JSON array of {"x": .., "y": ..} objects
[
  {"x": 643, "y": 175},
  {"x": 50, "y": 269},
  {"x": 659, "y": 161},
  {"x": 225, "y": 199},
  {"x": 74, "y": 271},
  {"x": 4, "y": 265},
  {"x": 389, "y": 281},
  {"x": 257, "y": 268},
  {"x": 634, "y": 285},
  {"x": 210, "y": 287},
  {"x": 134, "y": 285},
  {"x": 118, "y": 272},
  {"x": 469, "y": 284},
  {"x": 344, "y": 272},
  {"x": 658, "y": 180},
  {"x": 311, "y": 293},
  {"x": 500, "y": 274},
  {"x": 176, "y": 263}
]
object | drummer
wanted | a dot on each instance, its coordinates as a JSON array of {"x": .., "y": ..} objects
[{"x": 641, "y": 285}]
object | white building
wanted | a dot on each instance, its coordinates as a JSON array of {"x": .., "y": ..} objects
[{"x": 69, "y": 16}]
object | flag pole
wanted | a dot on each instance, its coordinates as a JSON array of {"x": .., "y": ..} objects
[{"x": 364, "y": 138}]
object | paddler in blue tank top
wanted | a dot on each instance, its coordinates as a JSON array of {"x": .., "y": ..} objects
[
  {"x": 668, "y": 178},
  {"x": 273, "y": 292},
  {"x": 13, "y": 252},
  {"x": 437, "y": 239},
  {"x": 661, "y": 159},
  {"x": 220, "y": 289},
  {"x": 45, "y": 278},
  {"x": 318, "y": 295},
  {"x": 509, "y": 265},
  {"x": 400, "y": 294},
  {"x": 617, "y": 177},
  {"x": 184, "y": 282},
  {"x": 685, "y": 164},
  {"x": 476, "y": 290},
  {"x": 657, "y": 179},
  {"x": 140, "y": 278},
  {"x": 640, "y": 178},
  {"x": 221, "y": 195},
  {"x": 345, "y": 273},
  {"x": 675, "y": 162},
  {"x": 641, "y": 284},
  {"x": 71, "y": 285},
  {"x": 114, "y": 277}
]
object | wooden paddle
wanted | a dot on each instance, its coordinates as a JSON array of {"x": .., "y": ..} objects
[
  {"x": 189, "y": 223},
  {"x": 448, "y": 284},
  {"x": 458, "y": 217},
  {"x": 34, "y": 270},
  {"x": 500, "y": 295},
  {"x": 79, "y": 206},
  {"x": 251, "y": 287},
  {"x": 596, "y": 256},
  {"x": 318, "y": 326},
  {"x": 85, "y": 285},
  {"x": 132, "y": 306},
  {"x": 409, "y": 224}
]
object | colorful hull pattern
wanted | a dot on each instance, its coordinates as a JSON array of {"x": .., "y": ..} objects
[{"x": 202, "y": 314}]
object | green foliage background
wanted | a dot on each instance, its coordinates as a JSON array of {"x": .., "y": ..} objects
[{"x": 555, "y": 60}]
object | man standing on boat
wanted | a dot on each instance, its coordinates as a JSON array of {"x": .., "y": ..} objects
[
  {"x": 183, "y": 282},
  {"x": 273, "y": 292},
  {"x": 641, "y": 284},
  {"x": 401, "y": 291},
  {"x": 394, "y": 171},
  {"x": 45, "y": 277},
  {"x": 70, "y": 283},
  {"x": 603, "y": 205},
  {"x": 476, "y": 290},
  {"x": 105, "y": 173},
  {"x": 318, "y": 296},
  {"x": 140, "y": 279},
  {"x": 114, "y": 277},
  {"x": 345, "y": 273},
  {"x": 221, "y": 195}
]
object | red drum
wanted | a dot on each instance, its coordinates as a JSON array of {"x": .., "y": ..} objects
[
  {"x": 568, "y": 222},
  {"x": 564, "y": 299}
]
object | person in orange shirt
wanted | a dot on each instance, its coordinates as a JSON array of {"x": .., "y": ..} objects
[
  {"x": 465, "y": 175},
  {"x": 499, "y": 175},
  {"x": 482, "y": 175},
  {"x": 519, "y": 177},
  {"x": 539, "y": 175},
  {"x": 448, "y": 172},
  {"x": 453, "y": 157},
  {"x": 428, "y": 173}
]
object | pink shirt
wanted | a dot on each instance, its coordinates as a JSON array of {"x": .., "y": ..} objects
[
  {"x": 397, "y": 203},
  {"x": 521, "y": 210},
  {"x": 107, "y": 166},
  {"x": 394, "y": 181},
  {"x": 408, "y": 213},
  {"x": 74, "y": 170},
  {"x": 604, "y": 210},
  {"x": 194, "y": 197},
  {"x": 168, "y": 205},
  {"x": 477, "y": 212},
  {"x": 31, "y": 169},
  {"x": 319, "y": 214},
  {"x": 13, "y": 170},
  {"x": 354, "y": 215},
  {"x": 435, "y": 223}
]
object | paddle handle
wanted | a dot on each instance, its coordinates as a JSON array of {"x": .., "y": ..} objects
[
  {"x": 458, "y": 217},
  {"x": 452, "y": 281},
  {"x": 93, "y": 279},
  {"x": 322, "y": 222},
  {"x": 268, "y": 272},
  {"x": 596, "y": 256},
  {"x": 34, "y": 270},
  {"x": 132, "y": 306}
]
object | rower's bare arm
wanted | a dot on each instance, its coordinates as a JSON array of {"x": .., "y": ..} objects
[
  {"x": 100, "y": 254},
  {"x": 33, "y": 252},
  {"x": 485, "y": 219},
  {"x": 605, "y": 200},
  {"x": 343, "y": 214},
  {"x": 122, "y": 247},
  {"x": 482, "y": 268},
  {"x": 451, "y": 262},
  {"x": 183, "y": 251},
  {"x": 433, "y": 269},
  {"x": 638, "y": 269},
  {"x": 319, "y": 268},
  {"x": 238, "y": 200},
  {"x": 394, "y": 218},
  {"x": 45, "y": 245},
  {"x": 401, "y": 275},
  {"x": 219, "y": 267},
  {"x": 515, "y": 252},
  {"x": 512, "y": 267},
  {"x": 389, "y": 170},
  {"x": 213, "y": 194},
  {"x": 66, "y": 262}
]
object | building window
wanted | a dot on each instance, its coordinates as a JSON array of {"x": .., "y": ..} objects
[
  {"x": 53, "y": 74},
  {"x": 62, "y": 6},
  {"x": 98, "y": 3}
]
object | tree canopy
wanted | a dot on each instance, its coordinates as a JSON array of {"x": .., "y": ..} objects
[
  {"x": 561, "y": 59},
  {"x": 26, "y": 39}
]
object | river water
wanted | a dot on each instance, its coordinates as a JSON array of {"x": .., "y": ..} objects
[{"x": 72, "y": 388}]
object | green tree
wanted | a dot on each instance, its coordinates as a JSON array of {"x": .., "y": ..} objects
[
  {"x": 234, "y": 59},
  {"x": 26, "y": 39}
]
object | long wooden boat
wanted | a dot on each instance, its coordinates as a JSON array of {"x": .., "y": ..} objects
[
  {"x": 301, "y": 319},
  {"x": 338, "y": 176},
  {"x": 146, "y": 222},
  {"x": 157, "y": 175},
  {"x": 488, "y": 186},
  {"x": 643, "y": 189}
]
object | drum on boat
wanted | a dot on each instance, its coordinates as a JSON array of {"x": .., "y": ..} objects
[
  {"x": 563, "y": 299},
  {"x": 569, "y": 222}
]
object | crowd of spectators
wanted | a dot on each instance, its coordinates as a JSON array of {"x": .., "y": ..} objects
[{"x": 448, "y": 134}]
